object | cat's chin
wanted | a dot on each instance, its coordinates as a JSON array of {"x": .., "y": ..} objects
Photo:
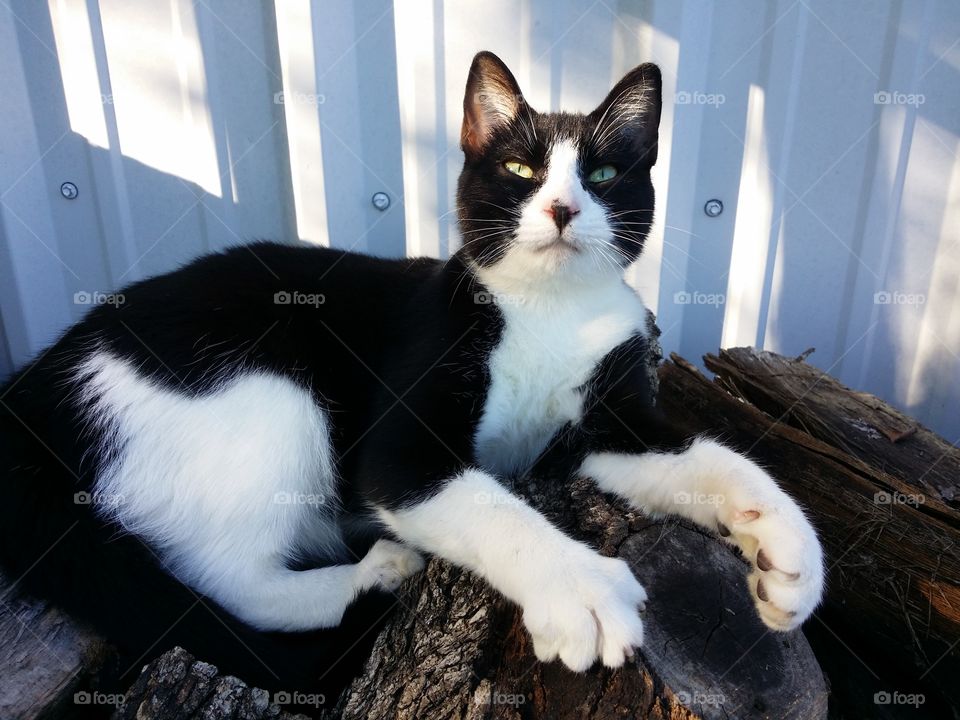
[
  {"x": 550, "y": 268},
  {"x": 560, "y": 247}
]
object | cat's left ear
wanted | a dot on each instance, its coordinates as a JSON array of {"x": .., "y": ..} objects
[
  {"x": 492, "y": 101},
  {"x": 632, "y": 109}
]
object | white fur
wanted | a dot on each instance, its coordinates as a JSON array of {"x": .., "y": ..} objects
[
  {"x": 550, "y": 345},
  {"x": 227, "y": 487},
  {"x": 712, "y": 484},
  {"x": 563, "y": 310},
  {"x": 577, "y": 604}
]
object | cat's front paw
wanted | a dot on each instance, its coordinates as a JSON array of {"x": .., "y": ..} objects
[
  {"x": 588, "y": 611},
  {"x": 387, "y": 564},
  {"x": 775, "y": 536}
]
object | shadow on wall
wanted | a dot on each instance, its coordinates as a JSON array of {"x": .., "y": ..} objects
[
  {"x": 839, "y": 179},
  {"x": 150, "y": 197},
  {"x": 88, "y": 269}
]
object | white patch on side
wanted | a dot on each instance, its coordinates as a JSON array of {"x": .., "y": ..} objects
[
  {"x": 712, "y": 484},
  {"x": 577, "y": 604},
  {"x": 550, "y": 345},
  {"x": 226, "y": 487}
]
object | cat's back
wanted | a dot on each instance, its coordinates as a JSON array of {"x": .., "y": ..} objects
[
  {"x": 286, "y": 309},
  {"x": 267, "y": 279}
]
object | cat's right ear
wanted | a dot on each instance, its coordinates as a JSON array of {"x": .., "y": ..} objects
[
  {"x": 632, "y": 110},
  {"x": 492, "y": 101}
]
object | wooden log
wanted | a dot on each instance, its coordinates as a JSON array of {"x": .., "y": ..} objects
[
  {"x": 47, "y": 658},
  {"x": 893, "y": 587},
  {"x": 175, "y": 686},
  {"x": 458, "y": 650},
  {"x": 858, "y": 423}
]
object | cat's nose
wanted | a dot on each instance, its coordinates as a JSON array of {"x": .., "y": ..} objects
[{"x": 562, "y": 214}]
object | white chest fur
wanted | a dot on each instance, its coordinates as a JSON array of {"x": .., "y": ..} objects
[{"x": 549, "y": 348}]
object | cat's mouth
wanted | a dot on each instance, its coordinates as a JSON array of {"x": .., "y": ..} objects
[{"x": 559, "y": 244}]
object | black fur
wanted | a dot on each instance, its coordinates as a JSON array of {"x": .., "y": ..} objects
[
  {"x": 396, "y": 352},
  {"x": 184, "y": 330}
]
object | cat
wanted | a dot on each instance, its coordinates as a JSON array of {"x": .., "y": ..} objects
[{"x": 233, "y": 431}]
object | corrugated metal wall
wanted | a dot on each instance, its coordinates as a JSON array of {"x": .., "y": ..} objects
[{"x": 830, "y": 132}]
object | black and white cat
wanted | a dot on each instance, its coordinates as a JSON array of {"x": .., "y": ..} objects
[{"x": 240, "y": 423}]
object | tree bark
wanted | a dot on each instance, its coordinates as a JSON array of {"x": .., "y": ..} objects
[{"x": 176, "y": 686}]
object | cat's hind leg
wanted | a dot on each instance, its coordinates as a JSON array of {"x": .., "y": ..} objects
[
  {"x": 228, "y": 488},
  {"x": 269, "y": 596}
]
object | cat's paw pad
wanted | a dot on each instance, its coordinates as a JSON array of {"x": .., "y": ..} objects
[
  {"x": 388, "y": 564},
  {"x": 589, "y": 613},
  {"x": 787, "y": 578}
]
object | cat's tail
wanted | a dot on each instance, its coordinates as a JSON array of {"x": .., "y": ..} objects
[{"x": 53, "y": 546}]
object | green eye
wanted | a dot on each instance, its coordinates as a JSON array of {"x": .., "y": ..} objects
[
  {"x": 602, "y": 174},
  {"x": 524, "y": 171}
]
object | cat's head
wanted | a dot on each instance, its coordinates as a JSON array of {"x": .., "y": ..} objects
[{"x": 555, "y": 195}]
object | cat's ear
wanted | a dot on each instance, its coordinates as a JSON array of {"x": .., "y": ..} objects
[
  {"x": 492, "y": 101},
  {"x": 632, "y": 110}
]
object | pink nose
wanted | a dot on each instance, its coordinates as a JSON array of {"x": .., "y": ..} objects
[{"x": 561, "y": 213}]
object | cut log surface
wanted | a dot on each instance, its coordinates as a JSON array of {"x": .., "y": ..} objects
[{"x": 885, "y": 514}]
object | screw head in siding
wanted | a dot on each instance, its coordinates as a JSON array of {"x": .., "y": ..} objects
[
  {"x": 380, "y": 200},
  {"x": 69, "y": 190},
  {"x": 713, "y": 207}
]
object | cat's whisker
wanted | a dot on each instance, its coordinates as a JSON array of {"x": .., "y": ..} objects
[
  {"x": 685, "y": 232},
  {"x": 666, "y": 242},
  {"x": 483, "y": 237},
  {"x": 631, "y": 211},
  {"x": 510, "y": 211}
]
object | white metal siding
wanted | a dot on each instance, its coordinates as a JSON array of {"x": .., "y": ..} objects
[{"x": 189, "y": 127}]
